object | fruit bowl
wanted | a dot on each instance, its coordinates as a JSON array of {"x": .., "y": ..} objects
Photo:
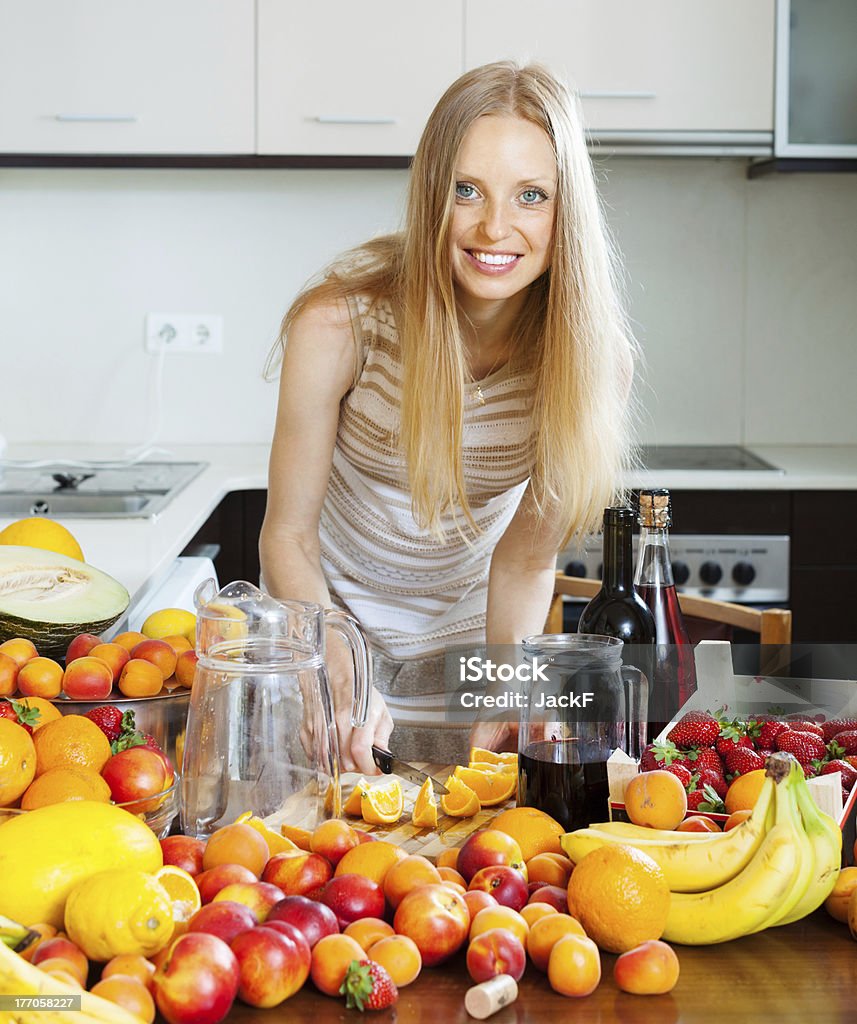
[{"x": 157, "y": 811}]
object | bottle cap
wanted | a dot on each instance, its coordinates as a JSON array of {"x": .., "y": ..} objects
[
  {"x": 619, "y": 515},
  {"x": 655, "y": 508}
]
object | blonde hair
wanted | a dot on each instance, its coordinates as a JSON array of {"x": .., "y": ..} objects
[{"x": 571, "y": 331}]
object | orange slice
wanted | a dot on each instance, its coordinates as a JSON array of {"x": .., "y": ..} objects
[
  {"x": 460, "y": 801},
  {"x": 492, "y": 757},
  {"x": 425, "y": 807},
  {"x": 505, "y": 767},
  {"x": 492, "y": 788},
  {"x": 352, "y": 804},
  {"x": 299, "y": 836},
  {"x": 276, "y": 843},
  {"x": 182, "y": 891},
  {"x": 382, "y": 805}
]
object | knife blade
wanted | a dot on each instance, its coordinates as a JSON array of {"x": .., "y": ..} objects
[{"x": 390, "y": 764}]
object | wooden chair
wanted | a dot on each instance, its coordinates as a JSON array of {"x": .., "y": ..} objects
[{"x": 774, "y": 625}]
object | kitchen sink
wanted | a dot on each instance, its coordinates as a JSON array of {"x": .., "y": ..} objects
[{"x": 92, "y": 490}]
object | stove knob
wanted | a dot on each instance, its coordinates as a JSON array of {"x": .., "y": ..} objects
[
  {"x": 743, "y": 574},
  {"x": 710, "y": 573},
  {"x": 681, "y": 573},
  {"x": 575, "y": 569}
]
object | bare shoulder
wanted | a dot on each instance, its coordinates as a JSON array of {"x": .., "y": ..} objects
[{"x": 321, "y": 341}]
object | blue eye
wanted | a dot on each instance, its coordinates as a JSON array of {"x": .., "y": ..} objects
[
  {"x": 464, "y": 191},
  {"x": 531, "y": 196}
]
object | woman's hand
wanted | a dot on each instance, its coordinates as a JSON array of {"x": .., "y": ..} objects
[
  {"x": 499, "y": 736},
  {"x": 355, "y": 744}
]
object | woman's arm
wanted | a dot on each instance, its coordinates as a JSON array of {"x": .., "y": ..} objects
[{"x": 317, "y": 371}]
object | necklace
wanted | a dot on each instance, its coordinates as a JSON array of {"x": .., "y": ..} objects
[{"x": 476, "y": 390}]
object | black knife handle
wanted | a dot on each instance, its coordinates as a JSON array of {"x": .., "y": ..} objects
[{"x": 384, "y": 760}]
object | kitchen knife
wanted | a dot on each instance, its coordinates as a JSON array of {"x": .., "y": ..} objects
[{"x": 389, "y": 765}]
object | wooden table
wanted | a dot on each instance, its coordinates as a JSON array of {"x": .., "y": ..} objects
[{"x": 802, "y": 972}]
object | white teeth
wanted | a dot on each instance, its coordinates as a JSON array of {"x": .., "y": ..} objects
[{"x": 498, "y": 259}]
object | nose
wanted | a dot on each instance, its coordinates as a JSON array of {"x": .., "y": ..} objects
[{"x": 495, "y": 220}]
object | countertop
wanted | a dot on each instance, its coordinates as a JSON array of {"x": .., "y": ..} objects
[{"x": 138, "y": 552}]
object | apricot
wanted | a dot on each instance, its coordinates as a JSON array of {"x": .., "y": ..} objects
[
  {"x": 333, "y": 839},
  {"x": 140, "y": 678},
  {"x": 80, "y": 646},
  {"x": 836, "y": 903},
  {"x": 186, "y": 668},
  {"x": 236, "y": 844},
  {"x": 40, "y": 677},
  {"x": 574, "y": 967},
  {"x": 497, "y": 951},
  {"x": 533, "y": 912},
  {"x": 128, "y": 640},
  {"x": 19, "y": 650},
  {"x": 697, "y": 823},
  {"x": 649, "y": 969},
  {"x": 60, "y": 948},
  {"x": 452, "y": 876},
  {"x": 331, "y": 958},
  {"x": 499, "y": 917},
  {"x": 87, "y": 678},
  {"x": 736, "y": 817},
  {"x": 478, "y": 899},
  {"x": 129, "y": 992},
  {"x": 130, "y": 965},
  {"x": 549, "y": 868},
  {"x": 546, "y": 932},
  {"x": 116, "y": 656},
  {"x": 487, "y": 848},
  {"x": 448, "y": 858},
  {"x": 368, "y": 930},
  {"x": 656, "y": 799},
  {"x": 179, "y": 643},
  {"x": 8, "y": 675},
  {"x": 159, "y": 653},
  {"x": 407, "y": 874},
  {"x": 400, "y": 956}
]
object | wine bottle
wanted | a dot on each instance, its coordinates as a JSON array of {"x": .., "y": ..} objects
[{"x": 674, "y": 668}]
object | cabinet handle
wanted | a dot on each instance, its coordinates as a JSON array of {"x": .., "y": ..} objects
[
  {"x": 346, "y": 119},
  {"x": 111, "y": 118},
  {"x": 616, "y": 94}
]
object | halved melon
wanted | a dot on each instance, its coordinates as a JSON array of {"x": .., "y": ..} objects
[{"x": 50, "y": 598}]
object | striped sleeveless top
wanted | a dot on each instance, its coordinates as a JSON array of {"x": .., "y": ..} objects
[{"x": 412, "y": 592}]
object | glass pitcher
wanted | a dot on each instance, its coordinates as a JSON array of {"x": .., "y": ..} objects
[
  {"x": 582, "y": 705},
  {"x": 261, "y": 734}
]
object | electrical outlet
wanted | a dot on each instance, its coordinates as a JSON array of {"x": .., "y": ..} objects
[{"x": 184, "y": 332}]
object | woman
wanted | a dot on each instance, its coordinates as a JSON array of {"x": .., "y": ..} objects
[{"x": 453, "y": 405}]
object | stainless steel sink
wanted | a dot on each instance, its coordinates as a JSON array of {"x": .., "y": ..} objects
[{"x": 140, "y": 490}]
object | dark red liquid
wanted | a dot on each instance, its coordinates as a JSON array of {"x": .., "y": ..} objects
[
  {"x": 675, "y": 668},
  {"x": 572, "y": 793}
]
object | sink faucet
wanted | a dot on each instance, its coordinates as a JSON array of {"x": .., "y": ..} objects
[{"x": 70, "y": 481}]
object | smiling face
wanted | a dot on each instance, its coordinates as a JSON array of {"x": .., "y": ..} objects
[{"x": 501, "y": 231}]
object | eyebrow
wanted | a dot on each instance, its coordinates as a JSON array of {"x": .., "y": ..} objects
[{"x": 535, "y": 179}]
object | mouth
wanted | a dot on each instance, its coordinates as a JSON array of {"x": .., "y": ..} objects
[{"x": 493, "y": 263}]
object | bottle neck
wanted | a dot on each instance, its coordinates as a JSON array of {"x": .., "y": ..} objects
[
  {"x": 618, "y": 567},
  {"x": 654, "y": 568}
]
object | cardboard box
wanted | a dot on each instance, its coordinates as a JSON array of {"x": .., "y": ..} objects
[{"x": 743, "y": 696}]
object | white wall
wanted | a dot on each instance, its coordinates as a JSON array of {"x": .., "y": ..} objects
[{"x": 743, "y": 293}]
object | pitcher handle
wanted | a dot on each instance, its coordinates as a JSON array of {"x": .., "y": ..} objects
[
  {"x": 349, "y": 629},
  {"x": 636, "y": 709}
]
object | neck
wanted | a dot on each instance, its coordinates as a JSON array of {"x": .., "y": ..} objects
[{"x": 488, "y": 329}]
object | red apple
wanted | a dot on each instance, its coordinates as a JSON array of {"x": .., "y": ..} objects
[
  {"x": 272, "y": 965},
  {"x": 258, "y": 896},
  {"x": 504, "y": 883},
  {"x": 198, "y": 981},
  {"x": 226, "y": 919},
  {"x": 436, "y": 918},
  {"x": 81, "y": 646},
  {"x": 497, "y": 951},
  {"x": 297, "y": 872},
  {"x": 133, "y": 775},
  {"x": 488, "y": 847},
  {"x": 212, "y": 881},
  {"x": 313, "y": 919},
  {"x": 183, "y": 852},
  {"x": 351, "y": 897},
  {"x": 554, "y": 895}
]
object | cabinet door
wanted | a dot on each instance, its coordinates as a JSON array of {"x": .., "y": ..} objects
[
  {"x": 659, "y": 66},
  {"x": 118, "y": 76},
  {"x": 345, "y": 78}
]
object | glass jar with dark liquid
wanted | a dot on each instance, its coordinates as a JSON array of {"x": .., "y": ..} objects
[{"x": 582, "y": 705}]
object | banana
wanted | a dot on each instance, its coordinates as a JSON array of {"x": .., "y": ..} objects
[
  {"x": 742, "y": 904},
  {"x": 16, "y": 936},
  {"x": 825, "y": 837},
  {"x": 690, "y": 866},
  {"x": 20, "y": 978},
  {"x": 631, "y": 831}
]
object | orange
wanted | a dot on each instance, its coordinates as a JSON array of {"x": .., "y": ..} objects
[
  {"x": 400, "y": 956},
  {"x": 480, "y": 754},
  {"x": 17, "y": 760},
  {"x": 407, "y": 874},
  {"x": 546, "y": 932},
  {"x": 40, "y": 677},
  {"x": 574, "y": 967},
  {"x": 535, "y": 831},
  {"x": 620, "y": 896},
  {"x": 491, "y": 787},
  {"x": 656, "y": 799},
  {"x": 368, "y": 930},
  {"x": 372, "y": 860},
  {"x": 182, "y": 891},
  {"x": 277, "y": 842},
  {"x": 744, "y": 791},
  {"x": 129, "y": 993},
  {"x": 301, "y": 837},
  {"x": 238, "y": 843},
  {"x": 425, "y": 807},
  {"x": 460, "y": 801},
  {"x": 382, "y": 804},
  {"x": 60, "y": 784},
  {"x": 352, "y": 804},
  {"x": 72, "y": 741},
  {"x": 47, "y": 712}
]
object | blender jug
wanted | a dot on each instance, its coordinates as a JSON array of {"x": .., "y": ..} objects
[
  {"x": 583, "y": 704},
  {"x": 261, "y": 735}
]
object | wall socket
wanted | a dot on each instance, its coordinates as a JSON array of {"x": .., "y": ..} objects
[{"x": 184, "y": 332}]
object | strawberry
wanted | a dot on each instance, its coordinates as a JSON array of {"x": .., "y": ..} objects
[
  {"x": 837, "y": 725},
  {"x": 659, "y": 755},
  {"x": 740, "y": 761},
  {"x": 726, "y": 743},
  {"x": 847, "y": 741},
  {"x": 681, "y": 773},
  {"x": 108, "y": 718},
  {"x": 849, "y": 772},
  {"x": 806, "y": 746},
  {"x": 368, "y": 986},
  {"x": 851, "y": 759},
  {"x": 695, "y": 729},
  {"x": 707, "y": 759},
  {"x": 768, "y": 732},
  {"x": 715, "y": 780},
  {"x": 21, "y": 713},
  {"x": 799, "y": 724},
  {"x": 702, "y": 797}
]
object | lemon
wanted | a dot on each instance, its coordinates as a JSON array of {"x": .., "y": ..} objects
[
  {"x": 119, "y": 912},
  {"x": 170, "y": 622},
  {"x": 38, "y": 532}
]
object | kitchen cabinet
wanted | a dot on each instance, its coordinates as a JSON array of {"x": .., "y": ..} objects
[
  {"x": 234, "y": 527},
  {"x": 337, "y": 77},
  {"x": 663, "y": 66},
  {"x": 115, "y": 76}
]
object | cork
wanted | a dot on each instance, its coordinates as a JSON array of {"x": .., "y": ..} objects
[
  {"x": 490, "y": 996},
  {"x": 655, "y": 508}
]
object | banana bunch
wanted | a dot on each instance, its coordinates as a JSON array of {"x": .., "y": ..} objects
[
  {"x": 18, "y": 978},
  {"x": 774, "y": 868}
]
